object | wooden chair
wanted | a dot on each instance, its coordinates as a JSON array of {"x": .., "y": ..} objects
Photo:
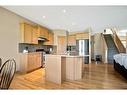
[
  {"x": 7, "y": 72},
  {"x": 0, "y": 62}
]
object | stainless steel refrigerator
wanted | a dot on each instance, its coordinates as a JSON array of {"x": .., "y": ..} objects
[{"x": 82, "y": 48}]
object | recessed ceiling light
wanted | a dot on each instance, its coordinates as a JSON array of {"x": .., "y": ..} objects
[
  {"x": 64, "y": 11},
  {"x": 43, "y": 17}
]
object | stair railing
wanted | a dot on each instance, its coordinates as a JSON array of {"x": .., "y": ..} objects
[{"x": 118, "y": 42}]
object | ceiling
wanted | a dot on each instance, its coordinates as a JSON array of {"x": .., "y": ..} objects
[{"x": 74, "y": 18}]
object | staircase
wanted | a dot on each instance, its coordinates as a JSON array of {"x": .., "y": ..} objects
[{"x": 112, "y": 49}]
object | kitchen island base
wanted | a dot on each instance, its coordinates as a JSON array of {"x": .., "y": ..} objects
[{"x": 59, "y": 68}]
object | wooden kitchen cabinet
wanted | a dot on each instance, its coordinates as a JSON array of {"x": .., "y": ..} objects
[
  {"x": 25, "y": 33},
  {"x": 84, "y": 35},
  {"x": 58, "y": 33},
  {"x": 62, "y": 44},
  {"x": 72, "y": 40},
  {"x": 30, "y": 61},
  {"x": 38, "y": 60},
  {"x": 34, "y": 35},
  {"x": 43, "y": 32},
  {"x": 29, "y": 33},
  {"x": 46, "y": 33},
  {"x": 50, "y": 39}
]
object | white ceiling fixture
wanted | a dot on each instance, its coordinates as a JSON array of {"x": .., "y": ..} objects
[
  {"x": 64, "y": 11},
  {"x": 74, "y": 18},
  {"x": 43, "y": 17}
]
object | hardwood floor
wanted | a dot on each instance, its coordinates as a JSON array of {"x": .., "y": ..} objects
[{"x": 95, "y": 76}]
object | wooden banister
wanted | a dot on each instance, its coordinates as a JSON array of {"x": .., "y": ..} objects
[{"x": 118, "y": 42}]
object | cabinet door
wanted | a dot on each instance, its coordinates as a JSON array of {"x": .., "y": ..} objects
[
  {"x": 46, "y": 34},
  {"x": 38, "y": 60},
  {"x": 28, "y": 33},
  {"x": 34, "y": 35},
  {"x": 42, "y": 32},
  {"x": 25, "y": 33},
  {"x": 62, "y": 44},
  {"x": 80, "y": 36},
  {"x": 34, "y": 61},
  {"x": 72, "y": 40},
  {"x": 30, "y": 65},
  {"x": 50, "y": 39}
]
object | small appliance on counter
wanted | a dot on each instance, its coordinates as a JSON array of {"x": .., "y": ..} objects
[
  {"x": 50, "y": 50},
  {"x": 25, "y": 50},
  {"x": 71, "y": 50}
]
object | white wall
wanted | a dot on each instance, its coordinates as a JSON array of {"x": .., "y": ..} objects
[
  {"x": 98, "y": 45},
  {"x": 9, "y": 35}
]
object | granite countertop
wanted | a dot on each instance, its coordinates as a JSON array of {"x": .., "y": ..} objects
[
  {"x": 30, "y": 52},
  {"x": 63, "y": 55}
]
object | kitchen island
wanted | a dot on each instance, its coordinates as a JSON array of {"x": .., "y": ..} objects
[{"x": 59, "y": 68}]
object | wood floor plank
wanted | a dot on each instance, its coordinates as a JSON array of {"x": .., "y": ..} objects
[{"x": 95, "y": 76}]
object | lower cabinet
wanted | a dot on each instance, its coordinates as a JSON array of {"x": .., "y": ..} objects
[{"x": 30, "y": 61}]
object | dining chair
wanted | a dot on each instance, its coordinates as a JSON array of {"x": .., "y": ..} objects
[
  {"x": 0, "y": 62},
  {"x": 7, "y": 72}
]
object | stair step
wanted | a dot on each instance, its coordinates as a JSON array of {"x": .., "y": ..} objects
[{"x": 112, "y": 49}]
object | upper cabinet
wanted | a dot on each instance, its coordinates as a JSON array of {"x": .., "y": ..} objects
[
  {"x": 34, "y": 35},
  {"x": 77, "y": 36},
  {"x": 58, "y": 33},
  {"x": 29, "y": 33},
  {"x": 43, "y": 32},
  {"x": 50, "y": 39},
  {"x": 83, "y": 35},
  {"x": 72, "y": 40},
  {"x": 46, "y": 33}
]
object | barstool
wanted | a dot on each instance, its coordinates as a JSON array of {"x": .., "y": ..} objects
[{"x": 98, "y": 58}]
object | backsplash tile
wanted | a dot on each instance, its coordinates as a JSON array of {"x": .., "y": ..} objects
[{"x": 33, "y": 47}]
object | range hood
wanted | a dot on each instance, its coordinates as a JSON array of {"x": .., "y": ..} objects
[{"x": 42, "y": 39}]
